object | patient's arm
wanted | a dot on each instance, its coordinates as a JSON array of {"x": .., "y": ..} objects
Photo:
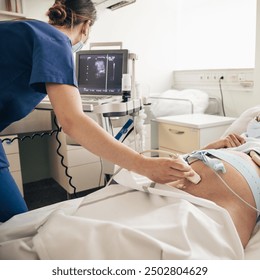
[
  {"x": 231, "y": 141},
  {"x": 255, "y": 157}
]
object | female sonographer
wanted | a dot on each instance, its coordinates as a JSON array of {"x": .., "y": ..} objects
[{"x": 37, "y": 59}]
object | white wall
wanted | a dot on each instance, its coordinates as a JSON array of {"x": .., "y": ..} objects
[
  {"x": 37, "y": 8},
  {"x": 182, "y": 34},
  {"x": 146, "y": 28},
  {"x": 170, "y": 35},
  {"x": 257, "y": 59},
  {"x": 216, "y": 34}
]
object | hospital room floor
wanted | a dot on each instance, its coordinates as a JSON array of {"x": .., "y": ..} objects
[{"x": 46, "y": 192}]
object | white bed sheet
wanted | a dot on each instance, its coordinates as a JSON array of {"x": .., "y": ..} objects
[
  {"x": 121, "y": 222},
  {"x": 178, "y": 102}
]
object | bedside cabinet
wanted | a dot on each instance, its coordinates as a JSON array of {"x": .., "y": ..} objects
[
  {"x": 185, "y": 133},
  {"x": 12, "y": 153}
]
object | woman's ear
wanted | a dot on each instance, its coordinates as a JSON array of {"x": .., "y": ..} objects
[{"x": 85, "y": 27}]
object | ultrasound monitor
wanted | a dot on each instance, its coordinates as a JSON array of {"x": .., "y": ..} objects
[{"x": 99, "y": 72}]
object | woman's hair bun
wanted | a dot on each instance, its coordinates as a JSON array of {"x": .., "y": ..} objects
[
  {"x": 57, "y": 14},
  {"x": 68, "y": 13}
]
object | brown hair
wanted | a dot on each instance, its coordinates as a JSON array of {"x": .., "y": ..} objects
[{"x": 69, "y": 13}]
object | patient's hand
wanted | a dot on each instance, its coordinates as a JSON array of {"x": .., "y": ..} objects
[{"x": 231, "y": 141}]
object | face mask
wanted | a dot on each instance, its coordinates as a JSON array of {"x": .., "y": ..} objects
[{"x": 77, "y": 46}]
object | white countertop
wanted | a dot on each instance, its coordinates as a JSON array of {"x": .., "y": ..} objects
[{"x": 196, "y": 120}]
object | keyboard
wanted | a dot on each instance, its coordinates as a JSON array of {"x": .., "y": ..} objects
[{"x": 97, "y": 100}]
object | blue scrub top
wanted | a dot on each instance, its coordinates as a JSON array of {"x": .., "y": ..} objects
[{"x": 32, "y": 53}]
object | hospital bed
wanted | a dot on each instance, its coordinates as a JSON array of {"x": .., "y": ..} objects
[
  {"x": 132, "y": 219},
  {"x": 185, "y": 101}
]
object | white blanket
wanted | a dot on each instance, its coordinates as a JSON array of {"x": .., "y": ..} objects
[
  {"x": 127, "y": 222},
  {"x": 123, "y": 223}
]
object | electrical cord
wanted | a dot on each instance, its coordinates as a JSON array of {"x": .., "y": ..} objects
[
  {"x": 62, "y": 157},
  {"x": 11, "y": 140},
  {"x": 56, "y": 132},
  {"x": 221, "y": 93}
]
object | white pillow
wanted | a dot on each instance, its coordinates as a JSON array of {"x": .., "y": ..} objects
[
  {"x": 239, "y": 126},
  {"x": 166, "y": 107}
]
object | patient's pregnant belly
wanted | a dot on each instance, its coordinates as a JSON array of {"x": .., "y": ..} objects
[{"x": 212, "y": 188}]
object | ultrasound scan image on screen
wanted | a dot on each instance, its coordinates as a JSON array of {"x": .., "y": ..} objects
[{"x": 100, "y": 72}]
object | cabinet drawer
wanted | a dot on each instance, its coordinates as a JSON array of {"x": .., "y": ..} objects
[
  {"x": 14, "y": 161},
  {"x": 18, "y": 179},
  {"x": 80, "y": 156},
  {"x": 86, "y": 177},
  {"x": 178, "y": 138},
  {"x": 10, "y": 148}
]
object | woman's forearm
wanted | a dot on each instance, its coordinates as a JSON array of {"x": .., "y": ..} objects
[{"x": 67, "y": 106}]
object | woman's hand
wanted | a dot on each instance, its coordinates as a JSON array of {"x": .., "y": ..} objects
[
  {"x": 231, "y": 141},
  {"x": 165, "y": 170}
]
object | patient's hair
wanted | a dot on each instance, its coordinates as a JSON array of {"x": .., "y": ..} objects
[{"x": 68, "y": 13}]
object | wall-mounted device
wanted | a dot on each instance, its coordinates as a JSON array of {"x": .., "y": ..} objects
[{"x": 112, "y": 4}]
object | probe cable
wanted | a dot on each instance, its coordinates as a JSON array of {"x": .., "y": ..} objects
[
  {"x": 173, "y": 155},
  {"x": 238, "y": 196}
]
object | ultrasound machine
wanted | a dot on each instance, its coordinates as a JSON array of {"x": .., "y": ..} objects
[
  {"x": 100, "y": 75},
  {"x": 103, "y": 82}
]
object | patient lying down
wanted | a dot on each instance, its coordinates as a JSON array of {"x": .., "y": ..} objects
[{"x": 211, "y": 186}]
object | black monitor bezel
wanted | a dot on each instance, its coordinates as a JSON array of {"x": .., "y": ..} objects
[{"x": 123, "y": 52}]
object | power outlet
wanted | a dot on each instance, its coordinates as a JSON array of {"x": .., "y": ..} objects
[
  {"x": 233, "y": 78},
  {"x": 241, "y": 77},
  {"x": 217, "y": 76},
  {"x": 201, "y": 77},
  {"x": 208, "y": 77}
]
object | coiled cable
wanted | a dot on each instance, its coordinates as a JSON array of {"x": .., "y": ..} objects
[{"x": 56, "y": 132}]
